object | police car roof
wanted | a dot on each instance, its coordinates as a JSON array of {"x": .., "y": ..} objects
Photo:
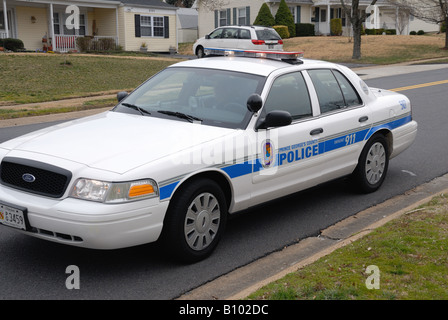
[{"x": 258, "y": 66}]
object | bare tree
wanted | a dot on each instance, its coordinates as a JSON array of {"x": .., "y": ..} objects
[
  {"x": 402, "y": 18},
  {"x": 212, "y": 5},
  {"x": 433, "y": 11},
  {"x": 356, "y": 18}
]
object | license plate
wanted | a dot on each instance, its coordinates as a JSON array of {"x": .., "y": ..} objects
[
  {"x": 12, "y": 216},
  {"x": 270, "y": 46}
]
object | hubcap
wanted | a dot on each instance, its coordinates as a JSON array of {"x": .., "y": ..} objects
[
  {"x": 202, "y": 221},
  {"x": 375, "y": 163}
]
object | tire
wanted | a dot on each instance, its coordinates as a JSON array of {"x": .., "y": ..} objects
[
  {"x": 372, "y": 166},
  {"x": 195, "y": 221},
  {"x": 200, "y": 52}
]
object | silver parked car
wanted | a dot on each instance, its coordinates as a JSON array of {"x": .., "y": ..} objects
[{"x": 239, "y": 37}]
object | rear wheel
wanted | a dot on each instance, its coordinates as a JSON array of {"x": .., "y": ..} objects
[
  {"x": 373, "y": 163},
  {"x": 195, "y": 220}
]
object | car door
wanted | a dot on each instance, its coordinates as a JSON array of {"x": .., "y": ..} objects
[
  {"x": 288, "y": 157},
  {"x": 344, "y": 122},
  {"x": 229, "y": 38},
  {"x": 214, "y": 40}
]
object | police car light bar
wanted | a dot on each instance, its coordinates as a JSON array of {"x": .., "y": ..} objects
[{"x": 287, "y": 56}]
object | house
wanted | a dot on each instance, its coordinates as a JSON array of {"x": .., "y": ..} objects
[
  {"x": 187, "y": 22},
  {"x": 319, "y": 12},
  {"x": 45, "y": 24}
]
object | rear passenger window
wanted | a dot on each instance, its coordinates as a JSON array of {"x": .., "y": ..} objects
[
  {"x": 333, "y": 90},
  {"x": 289, "y": 93},
  {"x": 350, "y": 95},
  {"x": 244, "y": 34}
]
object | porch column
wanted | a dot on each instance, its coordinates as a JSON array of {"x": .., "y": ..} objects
[
  {"x": 5, "y": 17},
  {"x": 117, "y": 39},
  {"x": 328, "y": 17},
  {"x": 53, "y": 40}
]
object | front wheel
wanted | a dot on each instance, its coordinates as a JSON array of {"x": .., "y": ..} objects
[
  {"x": 373, "y": 164},
  {"x": 195, "y": 220},
  {"x": 200, "y": 52}
]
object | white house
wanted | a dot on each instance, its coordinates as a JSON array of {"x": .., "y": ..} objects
[
  {"x": 128, "y": 23},
  {"x": 319, "y": 12}
]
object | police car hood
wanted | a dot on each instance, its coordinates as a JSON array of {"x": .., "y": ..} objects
[{"x": 114, "y": 141}]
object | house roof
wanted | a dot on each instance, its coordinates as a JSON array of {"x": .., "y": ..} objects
[
  {"x": 188, "y": 18},
  {"x": 149, "y": 3}
]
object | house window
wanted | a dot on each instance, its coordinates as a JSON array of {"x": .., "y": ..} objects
[
  {"x": 145, "y": 26},
  {"x": 293, "y": 12},
  {"x": 242, "y": 16},
  {"x": 158, "y": 27},
  {"x": 56, "y": 24},
  {"x": 222, "y": 18},
  {"x": 151, "y": 26}
]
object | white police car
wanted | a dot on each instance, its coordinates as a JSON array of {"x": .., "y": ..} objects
[{"x": 199, "y": 140}]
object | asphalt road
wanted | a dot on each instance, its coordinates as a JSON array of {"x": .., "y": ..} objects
[{"x": 35, "y": 269}]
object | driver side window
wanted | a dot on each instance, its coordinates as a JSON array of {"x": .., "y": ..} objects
[{"x": 289, "y": 93}]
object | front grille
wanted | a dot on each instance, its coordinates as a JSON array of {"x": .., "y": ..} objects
[{"x": 35, "y": 177}]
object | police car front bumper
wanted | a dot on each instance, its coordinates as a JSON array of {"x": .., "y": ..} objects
[{"x": 85, "y": 223}]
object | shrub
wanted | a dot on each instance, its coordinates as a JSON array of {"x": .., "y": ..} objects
[
  {"x": 83, "y": 43},
  {"x": 336, "y": 27},
  {"x": 420, "y": 32},
  {"x": 305, "y": 30},
  {"x": 86, "y": 44},
  {"x": 282, "y": 31},
  {"x": 264, "y": 17},
  {"x": 380, "y": 31},
  {"x": 12, "y": 44},
  {"x": 283, "y": 17},
  {"x": 413, "y": 33}
]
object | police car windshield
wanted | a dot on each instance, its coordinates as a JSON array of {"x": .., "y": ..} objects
[{"x": 217, "y": 97}]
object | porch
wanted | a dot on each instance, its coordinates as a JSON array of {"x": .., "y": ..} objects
[
  {"x": 378, "y": 16},
  {"x": 42, "y": 24}
]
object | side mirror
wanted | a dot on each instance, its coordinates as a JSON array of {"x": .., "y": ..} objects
[
  {"x": 254, "y": 103},
  {"x": 121, "y": 95},
  {"x": 207, "y": 36},
  {"x": 276, "y": 118}
]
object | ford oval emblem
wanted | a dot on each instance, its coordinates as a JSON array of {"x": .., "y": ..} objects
[{"x": 28, "y": 177}]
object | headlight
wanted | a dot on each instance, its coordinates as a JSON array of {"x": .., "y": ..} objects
[{"x": 114, "y": 192}]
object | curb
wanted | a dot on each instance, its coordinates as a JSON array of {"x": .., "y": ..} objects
[{"x": 245, "y": 280}]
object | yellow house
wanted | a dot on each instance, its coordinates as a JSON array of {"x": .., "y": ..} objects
[{"x": 56, "y": 24}]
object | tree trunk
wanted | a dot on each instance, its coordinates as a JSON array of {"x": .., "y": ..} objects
[
  {"x": 446, "y": 32},
  {"x": 356, "y": 42}
]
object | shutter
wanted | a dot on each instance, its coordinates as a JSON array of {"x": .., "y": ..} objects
[
  {"x": 229, "y": 21},
  {"x": 299, "y": 11},
  {"x": 166, "y": 25},
  {"x": 247, "y": 16},
  {"x": 137, "y": 26},
  {"x": 216, "y": 18},
  {"x": 235, "y": 22}
]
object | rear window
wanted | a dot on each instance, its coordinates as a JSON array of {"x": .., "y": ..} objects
[{"x": 267, "y": 34}]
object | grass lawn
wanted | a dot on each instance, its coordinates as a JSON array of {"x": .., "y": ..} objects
[
  {"x": 375, "y": 49},
  {"x": 410, "y": 253},
  {"x": 37, "y": 78}
]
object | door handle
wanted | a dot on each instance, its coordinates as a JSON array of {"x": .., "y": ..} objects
[
  {"x": 363, "y": 119},
  {"x": 316, "y": 131}
]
